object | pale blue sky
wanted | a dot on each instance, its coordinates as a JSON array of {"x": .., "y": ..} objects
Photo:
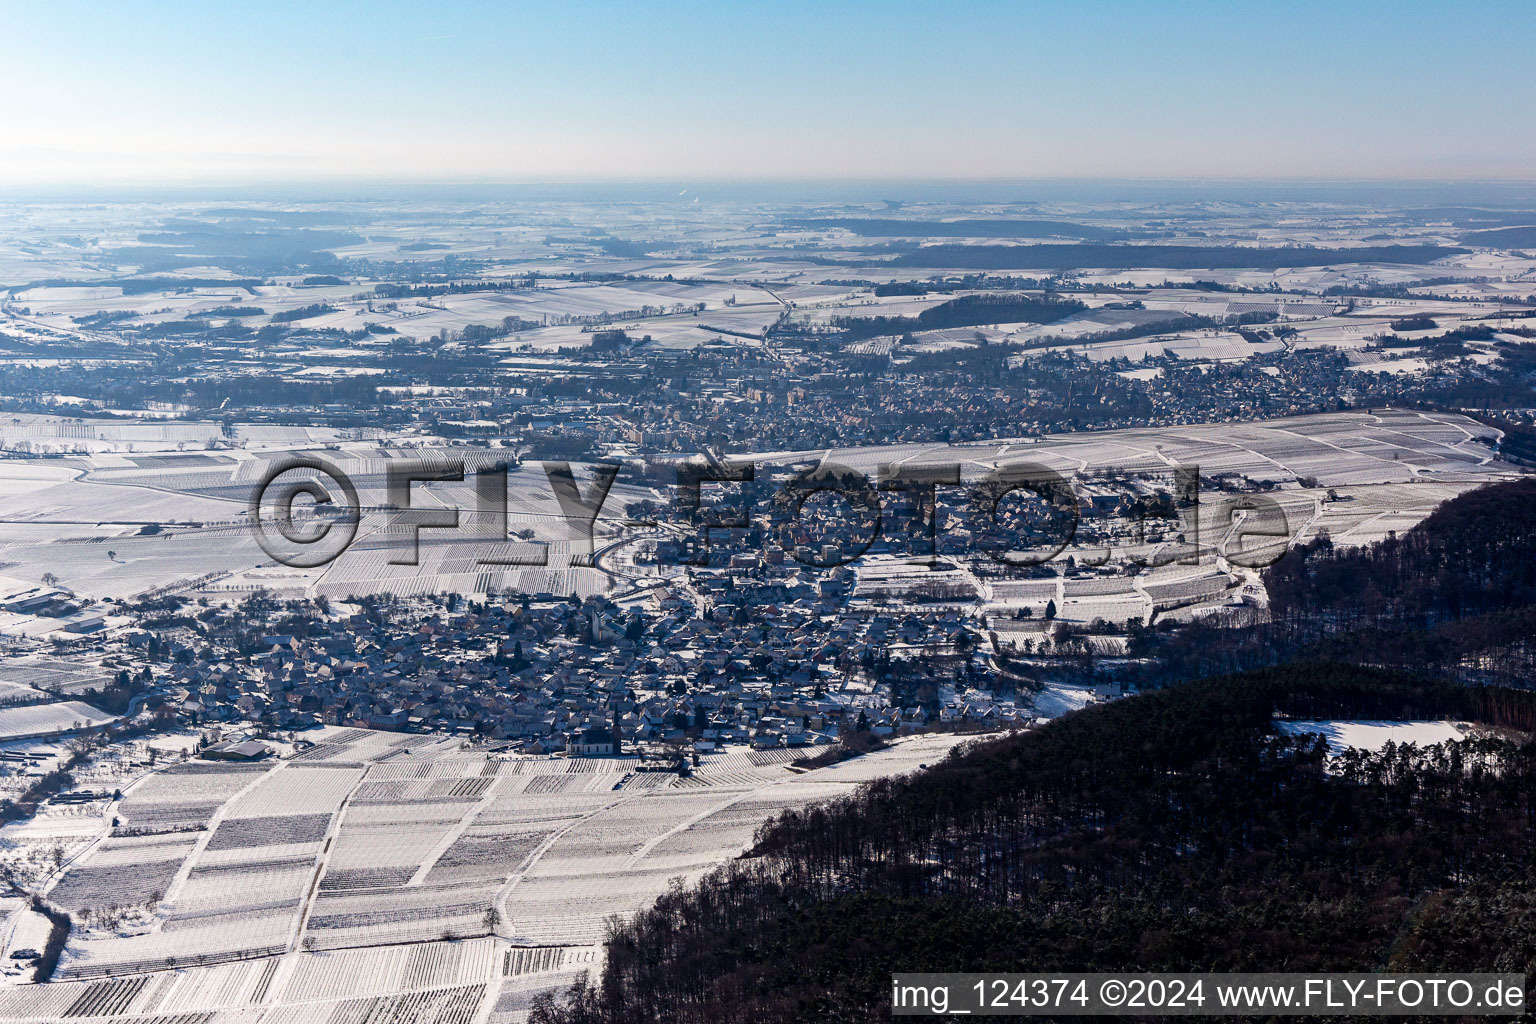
[{"x": 168, "y": 92}]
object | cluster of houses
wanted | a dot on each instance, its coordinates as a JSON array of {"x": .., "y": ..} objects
[{"x": 737, "y": 657}]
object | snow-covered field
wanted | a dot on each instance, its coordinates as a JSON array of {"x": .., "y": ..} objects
[
  {"x": 396, "y": 872},
  {"x": 119, "y": 525},
  {"x": 1368, "y": 735},
  {"x": 49, "y": 719},
  {"x": 1056, "y": 699},
  {"x": 1352, "y": 449}
]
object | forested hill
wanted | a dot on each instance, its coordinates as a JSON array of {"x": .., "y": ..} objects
[
  {"x": 966, "y": 311},
  {"x": 1473, "y": 555},
  {"x": 1455, "y": 597},
  {"x": 1173, "y": 830}
]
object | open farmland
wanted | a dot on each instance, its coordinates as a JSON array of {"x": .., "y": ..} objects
[
  {"x": 398, "y": 873},
  {"x": 1352, "y": 448},
  {"x": 49, "y": 719},
  {"x": 58, "y": 676},
  {"x": 180, "y": 521}
]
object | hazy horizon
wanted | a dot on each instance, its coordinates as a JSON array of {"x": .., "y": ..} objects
[
  {"x": 1018, "y": 195},
  {"x": 174, "y": 94}
]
